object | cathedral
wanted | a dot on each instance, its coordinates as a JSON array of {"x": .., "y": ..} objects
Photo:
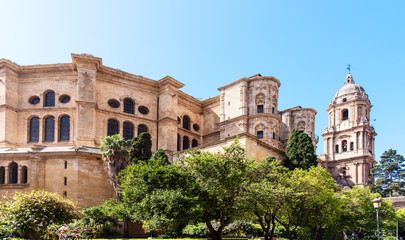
[{"x": 53, "y": 117}]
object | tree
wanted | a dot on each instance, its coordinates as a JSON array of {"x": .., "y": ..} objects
[
  {"x": 309, "y": 203},
  {"x": 115, "y": 156},
  {"x": 141, "y": 148},
  {"x": 157, "y": 193},
  {"x": 29, "y": 214},
  {"x": 300, "y": 151},
  {"x": 264, "y": 195},
  {"x": 219, "y": 178},
  {"x": 201, "y": 186},
  {"x": 389, "y": 174},
  {"x": 359, "y": 216}
]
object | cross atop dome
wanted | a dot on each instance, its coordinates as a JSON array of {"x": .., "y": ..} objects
[
  {"x": 349, "y": 77},
  {"x": 348, "y": 68}
]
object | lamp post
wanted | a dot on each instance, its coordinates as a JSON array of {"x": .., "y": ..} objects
[{"x": 377, "y": 205}]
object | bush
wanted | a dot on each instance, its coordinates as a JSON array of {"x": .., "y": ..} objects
[
  {"x": 29, "y": 214},
  {"x": 196, "y": 230},
  {"x": 242, "y": 229},
  {"x": 94, "y": 224}
]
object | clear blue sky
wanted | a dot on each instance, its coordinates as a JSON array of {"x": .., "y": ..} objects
[{"x": 207, "y": 44}]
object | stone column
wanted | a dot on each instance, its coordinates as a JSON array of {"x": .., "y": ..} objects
[
  {"x": 20, "y": 174},
  {"x": 6, "y": 175}
]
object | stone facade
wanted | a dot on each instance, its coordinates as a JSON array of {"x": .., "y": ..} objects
[
  {"x": 349, "y": 138},
  {"x": 52, "y": 118}
]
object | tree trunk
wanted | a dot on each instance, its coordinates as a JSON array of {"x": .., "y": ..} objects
[
  {"x": 126, "y": 230},
  {"x": 215, "y": 235}
]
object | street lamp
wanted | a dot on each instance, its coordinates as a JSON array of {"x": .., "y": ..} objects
[{"x": 377, "y": 205}]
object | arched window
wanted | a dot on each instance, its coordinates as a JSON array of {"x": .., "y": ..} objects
[
  {"x": 112, "y": 127},
  {"x": 142, "y": 128},
  {"x": 178, "y": 142},
  {"x": 351, "y": 146},
  {"x": 24, "y": 175},
  {"x": 337, "y": 148},
  {"x": 186, "y": 143},
  {"x": 345, "y": 114},
  {"x": 128, "y": 130},
  {"x": 49, "y": 99},
  {"x": 49, "y": 129},
  {"x": 34, "y": 129},
  {"x": 194, "y": 143},
  {"x": 64, "y": 128},
  {"x": 186, "y": 122},
  {"x": 2, "y": 175},
  {"x": 344, "y": 146},
  {"x": 13, "y": 173},
  {"x": 128, "y": 106}
]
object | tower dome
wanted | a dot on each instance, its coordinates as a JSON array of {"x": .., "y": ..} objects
[{"x": 349, "y": 91}]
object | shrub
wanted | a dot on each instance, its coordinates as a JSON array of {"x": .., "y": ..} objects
[
  {"x": 196, "y": 230},
  {"x": 242, "y": 229},
  {"x": 94, "y": 224},
  {"x": 29, "y": 214}
]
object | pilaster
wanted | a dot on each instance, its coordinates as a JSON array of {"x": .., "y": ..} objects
[{"x": 85, "y": 125}]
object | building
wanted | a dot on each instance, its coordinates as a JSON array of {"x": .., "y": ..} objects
[
  {"x": 52, "y": 118},
  {"x": 349, "y": 138}
]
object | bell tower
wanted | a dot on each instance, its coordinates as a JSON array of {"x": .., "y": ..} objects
[{"x": 349, "y": 137}]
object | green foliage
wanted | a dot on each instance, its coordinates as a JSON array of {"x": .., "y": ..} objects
[
  {"x": 242, "y": 229},
  {"x": 158, "y": 194},
  {"x": 29, "y": 214},
  {"x": 196, "y": 230},
  {"x": 219, "y": 177},
  {"x": 93, "y": 224},
  {"x": 115, "y": 155},
  {"x": 389, "y": 174},
  {"x": 141, "y": 148},
  {"x": 300, "y": 151},
  {"x": 264, "y": 195},
  {"x": 359, "y": 215},
  {"x": 161, "y": 156},
  {"x": 309, "y": 203}
]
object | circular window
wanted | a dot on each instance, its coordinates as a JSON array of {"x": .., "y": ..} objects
[
  {"x": 144, "y": 110},
  {"x": 196, "y": 127},
  {"x": 64, "y": 99},
  {"x": 34, "y": 100},
  {"x": 113, "y": 103}
]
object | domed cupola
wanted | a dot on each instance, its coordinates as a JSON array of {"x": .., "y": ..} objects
[{"x": 349, "y": 91}]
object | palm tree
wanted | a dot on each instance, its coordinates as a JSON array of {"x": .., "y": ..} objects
[{"x": 115, "y": 156}]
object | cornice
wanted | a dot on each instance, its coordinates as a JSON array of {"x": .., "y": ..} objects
[
  {"x": 170, "y": 81},
  {"x": 47, "y": 68},
  {"x": 251, "y": 79},
  {"x": 127, "y": 76},
  {"x": 298, "y": 108},
  {"x": 84, "y": 58},
  {"x": 210, "y": 101},
  {"x": 9, "y": 64}
]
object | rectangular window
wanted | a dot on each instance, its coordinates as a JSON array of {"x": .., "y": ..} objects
[
  {"x": 65, "y": 181},
  {"x": 65, "y": 194},
  {"x": 337, "y": 148},
  {"x": 351, "y": 146},
  {"x": 260, "y": 134},
  {"x": 260, "y": 108},
  {"x": 65, "y": 164}
]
